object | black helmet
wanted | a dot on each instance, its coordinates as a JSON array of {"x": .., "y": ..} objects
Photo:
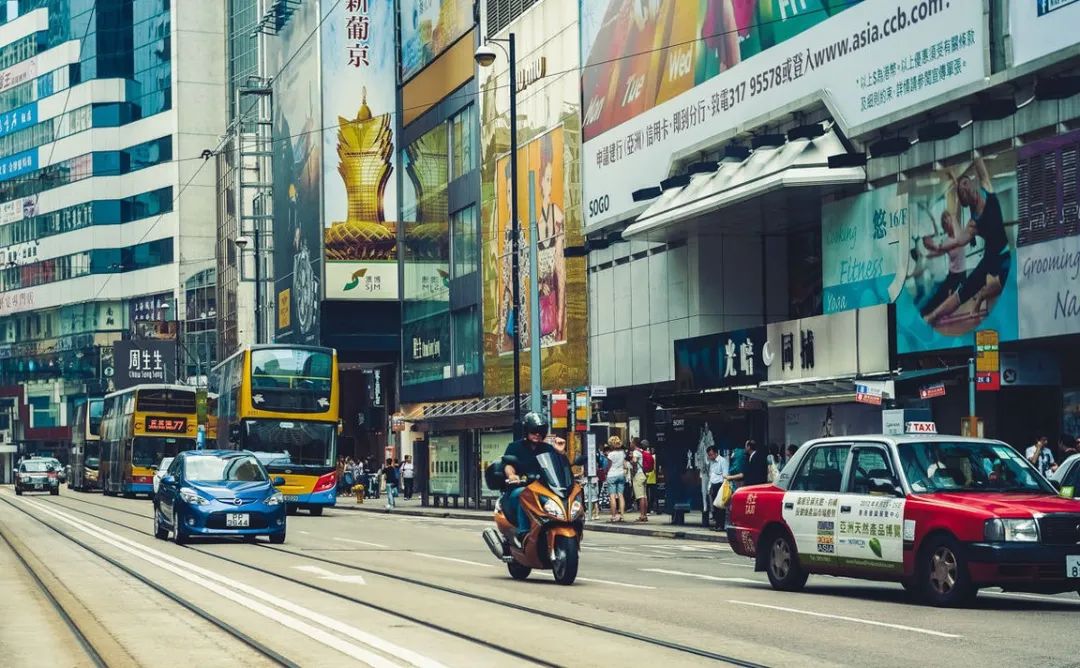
[{"x": 535, "y": 424}]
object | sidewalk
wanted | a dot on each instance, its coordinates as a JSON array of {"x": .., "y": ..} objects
[{"x": 658, "y": 526}]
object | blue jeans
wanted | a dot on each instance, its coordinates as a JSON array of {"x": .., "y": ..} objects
[
  {"x": 391, "y": 495},
  {"x": 511, "y": 504}
]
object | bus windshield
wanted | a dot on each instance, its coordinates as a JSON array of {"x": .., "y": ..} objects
[
  {"x": 147, "y": 451},
  {"x": 303, "y": 443},
  {"x": 96, "y": 409},
  {"x": 291, "y": 380}
]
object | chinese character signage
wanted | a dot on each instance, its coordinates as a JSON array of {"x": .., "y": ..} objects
[
  {"x": 359, "y": 99},
  {"x": 17, "y": 164},
  {"x": 699, "y": 68},
  {"x": 17, "y": 119},
  {"x": 714, "y": 361},
  {"x": 851, "y": 343},
  {"x": 297, "y": 226},
  {"x": 1037, "y": 28},
  {"x": 166, "y": 425},
  {"x": 141, "y": 362},
  {"x": 987, "y": 361},
  {"x": 428, "y": 27},
  {"x": 941, "y": 247}
]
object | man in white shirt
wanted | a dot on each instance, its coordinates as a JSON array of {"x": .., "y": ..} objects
[
  {"x": 1041, "y": 457},
  {"x": 718, "y": 469},
  {"x": 407, "y": 474}
]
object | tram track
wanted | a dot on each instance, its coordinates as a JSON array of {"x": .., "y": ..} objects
[{"x": 546, "y": 615}]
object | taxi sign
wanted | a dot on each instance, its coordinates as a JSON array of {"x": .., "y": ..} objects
[{"x": 920, "y": 427}]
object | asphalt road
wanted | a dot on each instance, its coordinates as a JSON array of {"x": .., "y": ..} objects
[{"x": 360, "y": 588}]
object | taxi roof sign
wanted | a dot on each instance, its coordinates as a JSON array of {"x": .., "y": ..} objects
[{"x": 920, "y": 427}]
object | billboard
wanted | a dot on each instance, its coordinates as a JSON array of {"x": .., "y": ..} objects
[
  {"x": 297, "y": 228},
  {"x": 942, "y": 247},
  {"x": 428, "y": 27},
  {"x": 1048, "y": 238},
  {"x": 664, "y": 76},
  {"x": 140, "y": 362},
  {"x": 1036, "y": 27},
  {"x": 548, "y": 193},
  {"x": 359, "y": 97}
]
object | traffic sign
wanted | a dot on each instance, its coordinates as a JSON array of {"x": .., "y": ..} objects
[{"x": 987, "y": 361}]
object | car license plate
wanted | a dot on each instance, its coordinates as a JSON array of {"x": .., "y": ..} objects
[
  {"x": 1072, "y": 566},
  {"x": 237, "y": 520},
  {"x": 291, "y": 498}
]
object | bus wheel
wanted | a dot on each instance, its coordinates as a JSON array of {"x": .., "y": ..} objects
[{"x": 316, "y": 511}]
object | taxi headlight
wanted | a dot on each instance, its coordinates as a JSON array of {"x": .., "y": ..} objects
[
  {"x": 1012, "y": 530},
  {"x": 552, "y": 507},
  {"x": 275, "y": 499},
  {"x": 188, "y": 495},
  {"x": 576, "y": 508}
]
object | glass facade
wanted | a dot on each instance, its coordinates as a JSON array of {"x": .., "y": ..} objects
[{"x": 441, "y": 337}]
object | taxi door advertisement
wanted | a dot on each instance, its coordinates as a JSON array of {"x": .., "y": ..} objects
[
  {"x": 811, "y": 517},
  {"x": 847, "y": 530}
]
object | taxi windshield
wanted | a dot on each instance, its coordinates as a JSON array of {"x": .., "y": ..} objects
[{"x": 988, "y": 467}]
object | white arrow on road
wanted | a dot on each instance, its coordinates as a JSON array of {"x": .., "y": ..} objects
[{"x": 328, "y": 575}]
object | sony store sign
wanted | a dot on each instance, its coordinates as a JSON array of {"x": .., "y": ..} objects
[{"x": 850, "y": 343}]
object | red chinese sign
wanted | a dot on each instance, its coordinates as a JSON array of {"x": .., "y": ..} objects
[{"x": 166, "y": 425}]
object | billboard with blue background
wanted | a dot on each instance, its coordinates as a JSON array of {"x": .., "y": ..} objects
[{"x": 940, "y": 245}]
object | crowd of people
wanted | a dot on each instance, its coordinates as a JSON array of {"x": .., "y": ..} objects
[
  {"x": 625, "y": 477},
  {"x": 395, "y": 476},
  {"x": 1047, "y": 457}
]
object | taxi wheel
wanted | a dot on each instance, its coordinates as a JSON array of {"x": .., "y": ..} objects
[
  {"x": 944, "y": 578},
  {"x": 782, "y": 563}
]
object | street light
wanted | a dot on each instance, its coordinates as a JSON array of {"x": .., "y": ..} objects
[{"x": 485, "y": 57}]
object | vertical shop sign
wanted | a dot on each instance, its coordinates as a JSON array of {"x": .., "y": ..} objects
[
  {"x": 559, "y": 410},
  {"x": 987, "y": 361}
]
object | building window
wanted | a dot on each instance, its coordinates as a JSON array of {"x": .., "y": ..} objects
[
  {"x": 464, "y": 242},
  {"x": 462, "y": 141},
  {"x": 43, "y": 412},
  {"x": 466, "y": 341}
]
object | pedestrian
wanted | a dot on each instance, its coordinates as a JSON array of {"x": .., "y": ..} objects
[
  {"x": 718, "y": 470},
  {"x": 408, "y": 473},
  {"x": 774, "y": 462},
  {"x": 649, "y": 461},
  {"x": 1041, "y": 456},
  {"x": 637, "y": 477},
  {"x": 756, "y": 470},
  {"x": 391, "y": 474},
  {"x": 1067, "y": 446},
  {"x": 791, "y": 450},
  {"x": 616, "y": 478}
]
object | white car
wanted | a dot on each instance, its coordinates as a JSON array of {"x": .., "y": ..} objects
[
  {"x": 162, "y": 468},
  {"x": 1067, "y": 475}
]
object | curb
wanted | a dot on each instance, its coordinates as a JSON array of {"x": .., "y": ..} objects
[{"x": 601, "y": 528}]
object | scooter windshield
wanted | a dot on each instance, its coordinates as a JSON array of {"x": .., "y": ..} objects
[{"x": 557, "y": 474}]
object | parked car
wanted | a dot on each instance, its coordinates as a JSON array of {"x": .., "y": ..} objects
[
  {"x": 218, "y": 493},
  {"x": 1067, "y": 476},
  {"x": 160, "y": 470},
  {"x": 942, "y": 515},
  {"x": 37, "y": 475}
]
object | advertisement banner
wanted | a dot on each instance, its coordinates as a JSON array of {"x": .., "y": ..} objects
[
  {"x": 492, "y": 447},
  {"x": 17, "y": 119},
  {"x": 18, "y": 164},
  {"x": 18, "y": 73},
  {"x": 850, "y": 343},
  {"x": 1048, "y": 238},
  {"x": 358, "y": 147},
  {"x": 941, "y": 247},
  {"x": 687, "y": 77},
  {"x": 428, "y": 27},
  {"x": 297, "y": 228},
  {"x": 426, "y": 352},
  {"x": 444, "y": 476},
  {"x": 1036, "y": 27},
  {"x": 139, "y": 362},
  {"x": 548, "y": 193},
  {"x": 15, "y": 210}
]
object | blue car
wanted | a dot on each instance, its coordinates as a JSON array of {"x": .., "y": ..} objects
[{"x": 218, "y": 493}]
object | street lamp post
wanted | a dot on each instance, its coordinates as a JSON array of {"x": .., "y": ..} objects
[{"x": 485, "y": 57}]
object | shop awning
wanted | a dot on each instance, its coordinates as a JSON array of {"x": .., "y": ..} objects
[
  {"x": 798, "y": 163},
  {"x": 927, "y": 374},
  {"x": 807, "y": 392},
  {"x": 469, "y": 408}
]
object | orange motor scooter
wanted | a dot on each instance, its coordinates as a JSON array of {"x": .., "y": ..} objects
[{"x": 554, "y": 504}]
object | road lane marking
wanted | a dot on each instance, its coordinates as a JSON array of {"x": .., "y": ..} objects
[
  {"x": 856, "y": 620},
  {"x": 330, "y": 575},
  {"x": 615, "y": 584},
  {"x": 711, "y": 578},
  {"x": 1048, "y": 598},
  {"x": 460, "y": 561},
  {"x": 361, "y": 542},
  {"x": 221, "y": 585}
]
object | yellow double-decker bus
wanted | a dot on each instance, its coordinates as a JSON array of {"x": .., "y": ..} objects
[
  {"x": 281, "y": 402},
  {"x": 141, "y": 426}
]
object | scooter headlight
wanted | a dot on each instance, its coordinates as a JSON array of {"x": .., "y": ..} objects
[
  {"x": 576, "y": 509},
  {"x": 552, "y": 507}
]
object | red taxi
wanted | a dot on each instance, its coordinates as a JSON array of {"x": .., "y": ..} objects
[{"x": 943, "y": 515}]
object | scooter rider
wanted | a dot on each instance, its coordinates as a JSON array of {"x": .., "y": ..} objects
[{"x": 525, "y": 452}]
